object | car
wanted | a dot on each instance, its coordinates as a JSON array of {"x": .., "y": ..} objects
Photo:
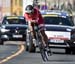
[
  {"x": 13, "y": 28},
  {"x": 60, "y": 30}
]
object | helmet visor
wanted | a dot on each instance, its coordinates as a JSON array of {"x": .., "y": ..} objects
[{"x": 28, "y": 11}]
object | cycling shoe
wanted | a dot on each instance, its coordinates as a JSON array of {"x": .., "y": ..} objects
[{"x": 48, "y": 50}]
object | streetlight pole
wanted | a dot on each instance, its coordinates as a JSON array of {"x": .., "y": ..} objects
[
  {"x": 1, "y": 10},
  {"x": 58, "y": 3}
]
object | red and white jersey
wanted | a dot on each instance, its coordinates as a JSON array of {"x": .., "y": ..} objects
[{"x": 35, "y": 16}]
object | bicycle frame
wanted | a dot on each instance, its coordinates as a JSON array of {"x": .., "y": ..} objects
[{"x": 39, "y": 39}]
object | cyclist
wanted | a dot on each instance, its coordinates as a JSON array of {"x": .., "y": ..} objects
[{"x": 33, "y": 15}]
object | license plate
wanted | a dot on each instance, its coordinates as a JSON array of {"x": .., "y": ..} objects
[
  {"x": 17, "y": 36},
  {"x": 58, "y": 35},
  {"x": 57, "y": 41}
]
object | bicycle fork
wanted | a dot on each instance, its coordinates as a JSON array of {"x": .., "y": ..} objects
[
  {"x": 37, "y": 39},
  {"x": 28, "y": 32}
]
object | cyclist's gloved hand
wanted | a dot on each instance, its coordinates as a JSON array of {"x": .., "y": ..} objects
[{"x": 34, "y": 21}]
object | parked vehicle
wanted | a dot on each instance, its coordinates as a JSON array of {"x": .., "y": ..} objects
[
  {"x": 13, "y": 28},
  {"x": 60, "y": 30}
]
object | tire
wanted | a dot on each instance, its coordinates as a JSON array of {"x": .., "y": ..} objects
[
  {"x": 73, "y": 50},
  {"x": 44, "y": 54},
  {"x": 31, "y": 47},
  {"x": 24, "y": 37},
  {"x": 1, "y": 42},
  {"x": 68, "y": 50},
  {"x": 26, "y": 46}
]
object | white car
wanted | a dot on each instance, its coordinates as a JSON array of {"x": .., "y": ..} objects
[{"x": 60, "y": 30}]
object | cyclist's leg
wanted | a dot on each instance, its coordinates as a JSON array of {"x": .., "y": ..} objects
[
  {"x": 31, "y": 30},
  {"x": 44, "y": 36},
  {"x": 46, "y": 45},
  {"x": 43, "y": 48}
]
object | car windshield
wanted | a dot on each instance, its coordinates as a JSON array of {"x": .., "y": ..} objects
[
  {"x": 59, "y": 21},
  {"x": 14, "y": 21}
]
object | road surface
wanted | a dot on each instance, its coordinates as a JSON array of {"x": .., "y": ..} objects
[{"x": 32, "y": 58}]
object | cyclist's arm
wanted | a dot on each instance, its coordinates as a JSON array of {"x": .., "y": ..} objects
[
  {"x": 27, "y": 18},
  {"x": 41, "y": 20}
]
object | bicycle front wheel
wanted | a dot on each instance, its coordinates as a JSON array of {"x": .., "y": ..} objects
[
  {"x": 44, "y": 54},
  {"x": 31, "y": 47},
  {"x": 29, "y": 43}
]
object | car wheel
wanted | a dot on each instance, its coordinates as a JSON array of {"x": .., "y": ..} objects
[
  {"x": 1, "y": 42},
  {"x": 26, "y": 46},
  {"x": 68, "y": 51},
  {"x": 73, "y": 50},
  {"x": 72, "y": 46},
  {"x": 24, "y": 37}
]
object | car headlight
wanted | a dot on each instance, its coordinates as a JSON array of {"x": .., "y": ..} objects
[{"x": 5, "y": 30}]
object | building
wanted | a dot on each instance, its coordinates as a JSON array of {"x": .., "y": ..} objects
[
  {"x": 10, "y": 7},
  {"x": 16, "y": 7},
  {"x": 5, "y": 8}
]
